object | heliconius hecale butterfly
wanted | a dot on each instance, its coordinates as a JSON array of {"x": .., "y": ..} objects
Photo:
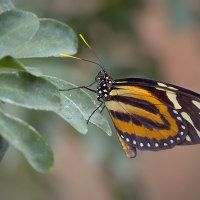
[{"x": 148, "y": 115}]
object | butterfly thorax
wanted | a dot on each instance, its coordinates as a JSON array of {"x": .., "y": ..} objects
[{"x": 104, "y": 85}]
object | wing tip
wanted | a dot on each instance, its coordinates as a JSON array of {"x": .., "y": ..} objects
[
  {"x": 131, "y": 152},
  {"x": 129, "y": 149}
]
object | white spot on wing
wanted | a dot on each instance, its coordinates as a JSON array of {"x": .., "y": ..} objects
[
  {"x": 181, "y": 132},
  {"x": 148, "y": 145},
  {"x": 158, "y": 88},
  {"x": 183, "y": 127},
  {"x": 134, "y": 142},
  {"x": 187, "y": 117},
  {"x": 172, "y": 98},
  {"x": 196, "y": 103},
  {"x": 176, "y": 112},
  {"x": 156, "y": 144},
  {"x": 162, "y": 84},
  {"x": 172, "y": 88},
  {"x": 188, "y": 138},
  {"x": 165, "y": 144},
  {"x": 127, "y": 140},
  {"x": 179, "y": 118},
  {"x": 141, "y": 144},
  {"x": 172, "y": 141}
]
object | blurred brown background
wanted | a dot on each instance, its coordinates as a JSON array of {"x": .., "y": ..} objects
[{"x": 156, "y": 39}]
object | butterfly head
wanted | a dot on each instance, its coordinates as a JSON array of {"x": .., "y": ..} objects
[{"x": 104, "y": 85}]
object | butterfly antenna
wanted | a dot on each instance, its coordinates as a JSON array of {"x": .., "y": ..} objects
[
  {"x": 81, "y": 36},
  {"x": 77, "y": 58}
]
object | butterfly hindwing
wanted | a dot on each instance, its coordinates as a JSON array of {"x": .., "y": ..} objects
[{"x": 153, "y": 116}]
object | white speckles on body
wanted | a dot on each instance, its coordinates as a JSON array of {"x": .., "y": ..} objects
[{"x": 105, "y": 95}]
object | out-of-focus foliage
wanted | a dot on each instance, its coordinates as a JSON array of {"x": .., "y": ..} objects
[
  {"x": 41, "y": 38},
  {"x": 18, "y": 29}
]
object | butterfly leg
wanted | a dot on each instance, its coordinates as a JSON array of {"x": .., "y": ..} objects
[
  {"x": 95, "y": 111},
  {"x": 102, "y": 109},
  {"x": 84, "y": 87}
]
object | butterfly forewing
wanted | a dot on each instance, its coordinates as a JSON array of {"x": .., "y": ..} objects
[
  {"x": 191, "y": 113},
  {"x": 149, "y": 116}
]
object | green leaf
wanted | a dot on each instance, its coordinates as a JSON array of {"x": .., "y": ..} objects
[
  {"x": 26, "y": 90},
  {"x": 71, "y": 113},
  {"x": 17, "y": 27},
  {"x": 6, "y": 5},
  {"x": 10, "y": 62},
  {"x": 51, "y": 39},
  {"x": 3, "y": 147},
  {"x": 28, "y": 141},
  {"x": 84, "y": 103}
]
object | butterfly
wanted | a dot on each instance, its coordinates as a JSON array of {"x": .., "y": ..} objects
[{"x": 148, "y": 115}]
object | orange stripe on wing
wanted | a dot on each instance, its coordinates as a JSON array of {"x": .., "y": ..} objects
[
  {"x": 130, "y": 128},
  {"x": 139, "y": 93}
]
